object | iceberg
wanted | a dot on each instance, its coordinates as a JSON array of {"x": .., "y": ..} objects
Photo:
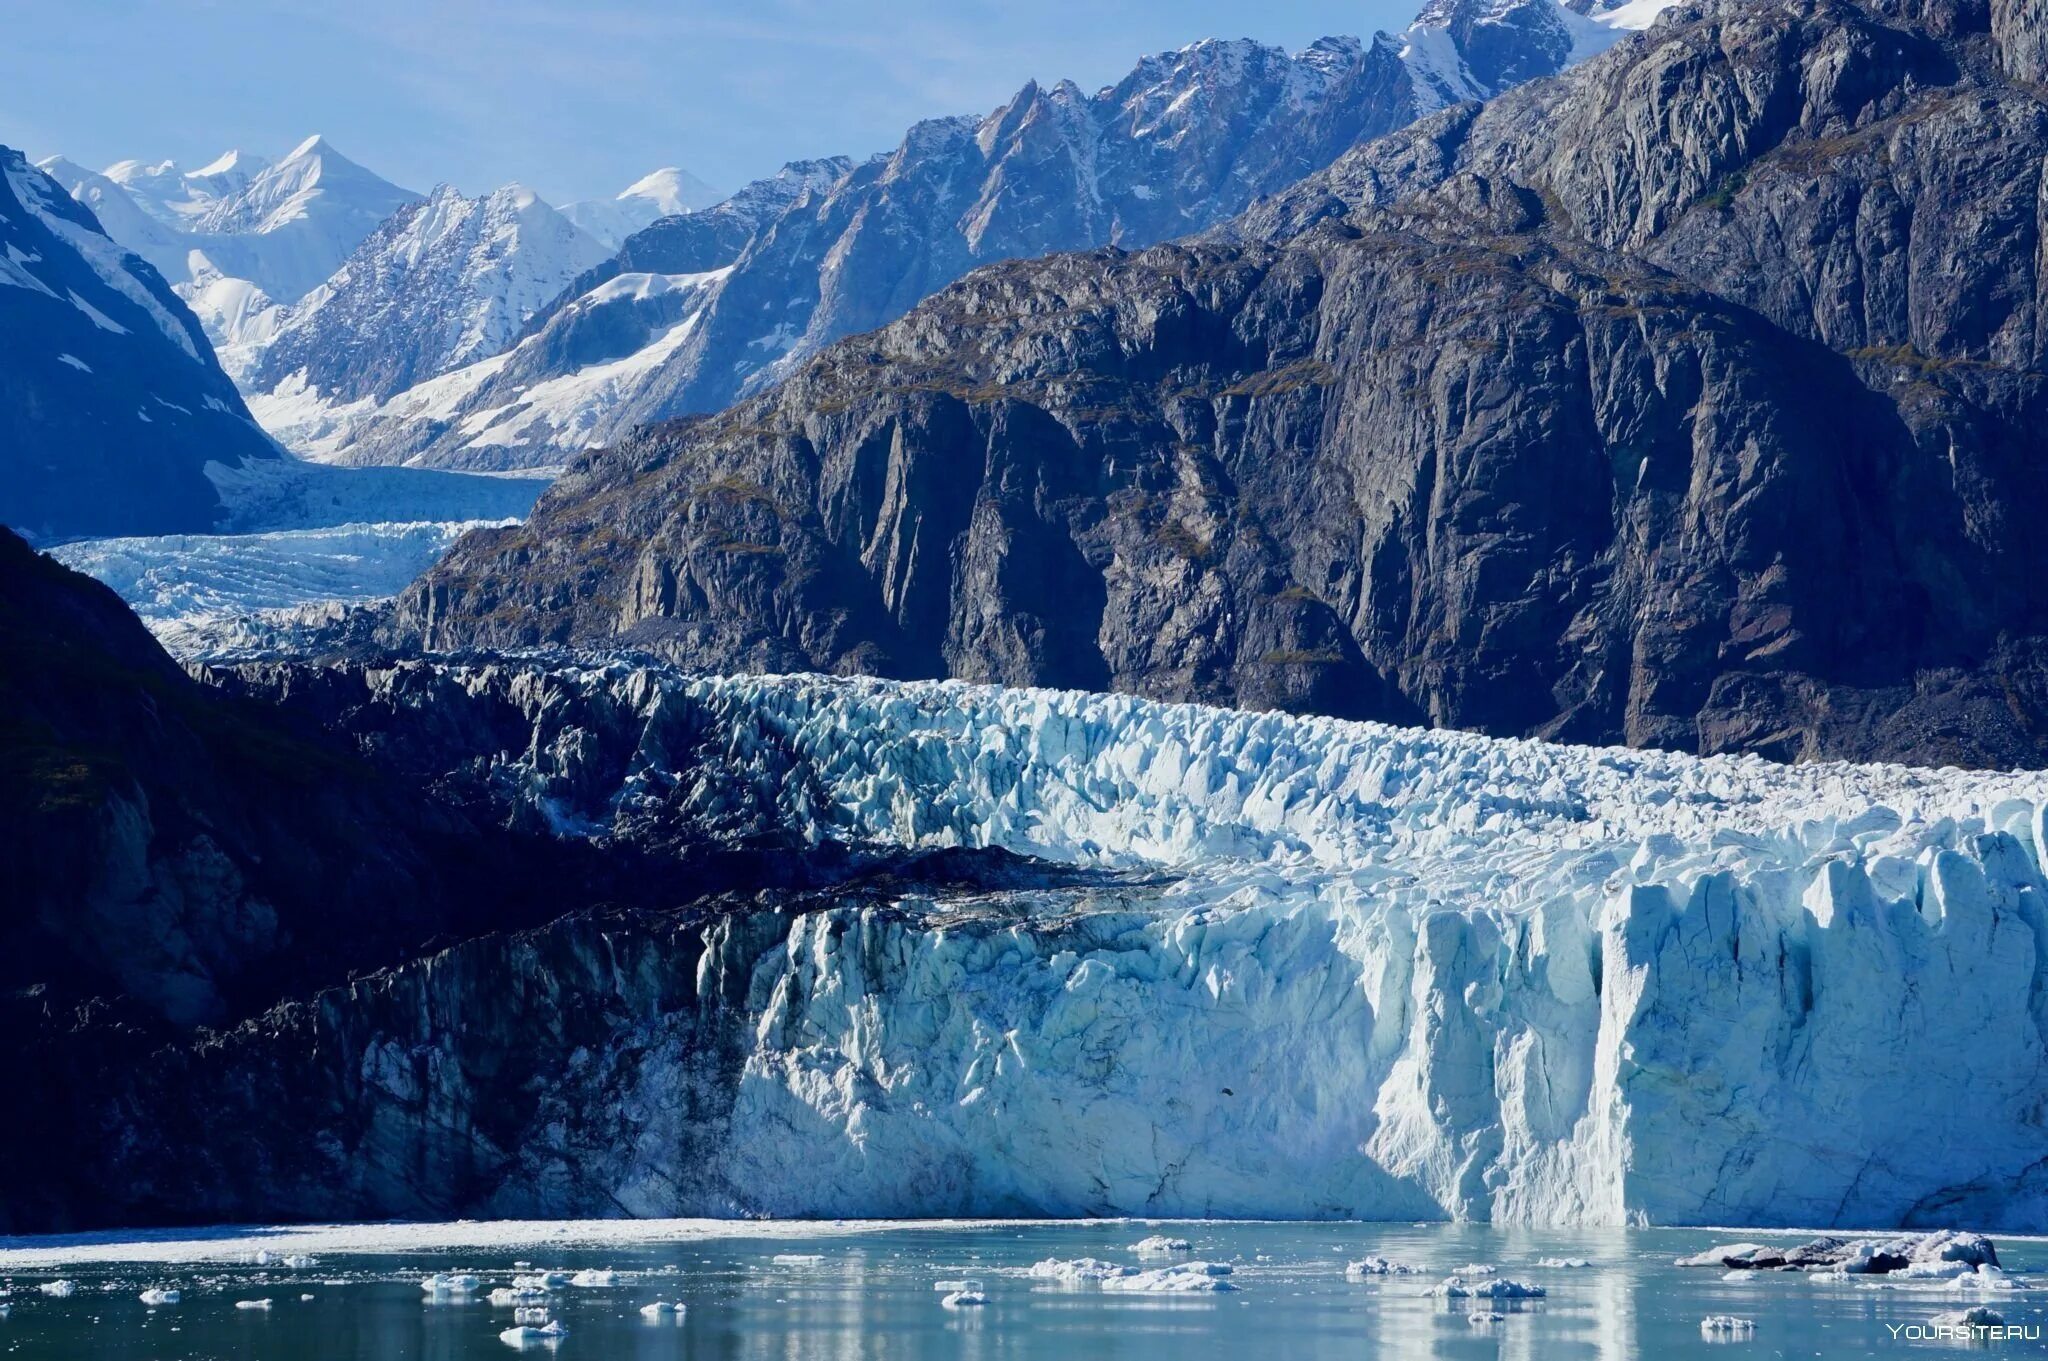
[
  {"x": 1183, "y": 1278},
  {"x": 1078, "y": 1270},
  {"x": 1370, "y": 1268}
]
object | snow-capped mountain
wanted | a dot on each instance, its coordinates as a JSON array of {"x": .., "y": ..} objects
[
  {"x": 240, "y": 236},
  {"x": 1473, "y": 49},
  {"x": 1188, "y": 139},
  {"x": 111, "y": 403},
  {"x": 441, "y": 283},
  {"x": 293, "y": 223},
  {"x": 179, "y": 198},
  {"x": 576, "y": 358},
  {"x": 664, "y": 193}
]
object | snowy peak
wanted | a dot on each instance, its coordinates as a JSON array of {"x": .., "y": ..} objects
[
  {"x": 673, "y": 190},
  {"x": 664, "y": 193},
  {"x": 278, "y": 229},
  {"x": 1474, "y": 49},
  {"x": 443, "y": 282},
  {"x": 313, "y": 181}
]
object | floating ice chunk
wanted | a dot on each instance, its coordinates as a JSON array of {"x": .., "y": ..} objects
[
  {"x": 1159, "y": 1245},
  {"x": 541, "y": 1280},
  {"x": 1976, "y": 1316},
  {"x": 298, "y": 1261},
  {"x": 303, "y": 1298},
  {"x": 595, "y": 1276},
  {"x": 1734, "y": 1256},
  {"x": 453, "y": 1283},
  {"x": 1933, "y": 1271},
  {"x": 1181, "y": 1279},
  {"x": 1485, "y": 1288},
  {"x": 1562, "y": 1263},
  {"x": 1984, "y": 1278},
  {"x": 530, "y": 1315},
  {"x": 252, "y": 1304},
  {"x": 964, "y": 1299},
  {"x": 61, "y": 1290},
  {"x": 1076, "y": 1270},
  {"x": 517, "y": 1294},
  {"x": 1726, "y": 1325},
  {"x": 1476, "y": 1269},
  {"x": 526, "y": 1335},
  {"x": 948, "y": 1287},
  {"x": 1485, "y": 1318},
  {"x": 1840, "y": 1257},
  {"x": 154, "y": 1297},
  {"x": 798, "y": 1258},
  {"x": 1369, "y": 1267},
  {"x": 661, "y": 1310}
]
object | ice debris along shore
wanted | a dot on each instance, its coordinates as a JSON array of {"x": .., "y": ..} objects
[{"x": 1412, "y": 975}]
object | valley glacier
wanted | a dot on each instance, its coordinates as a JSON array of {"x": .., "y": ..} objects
[{"x": 1293, "y": 967}]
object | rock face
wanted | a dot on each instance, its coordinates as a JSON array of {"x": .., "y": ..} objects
[
  {"x": 1184, "y": 141},
  {"x": 2021, "y": 30},
  {"x": 111, "y": 404},
  {"x": 1690, "y": 399},
  {"x": 1410, "y": 975}
]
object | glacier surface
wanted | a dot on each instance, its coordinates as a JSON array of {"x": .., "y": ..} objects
[{"x": 1325, "y": 969}]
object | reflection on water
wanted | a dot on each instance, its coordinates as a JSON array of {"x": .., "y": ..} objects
[{"x": 870, "y": 1296}]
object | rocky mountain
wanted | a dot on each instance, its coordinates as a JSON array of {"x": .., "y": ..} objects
[
  {"x": 1689, "y": 399},
  {"x": 1183, "y": 142},
  {"x": 111, "y": 404},
  {"x": 439, "y": 284},
  {"x": 667, "y": 192}
]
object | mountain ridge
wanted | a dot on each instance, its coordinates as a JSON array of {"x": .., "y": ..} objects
[{"x": 1490, "y": 425}]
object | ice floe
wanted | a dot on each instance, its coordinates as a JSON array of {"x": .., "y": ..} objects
[{"x": 1183, "y": 1278}]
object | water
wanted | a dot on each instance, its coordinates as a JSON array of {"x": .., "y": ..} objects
[{"x": 870, "y": 1294}]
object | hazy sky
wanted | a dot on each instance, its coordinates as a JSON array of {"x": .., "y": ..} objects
[{"x": 574, "y": 99}]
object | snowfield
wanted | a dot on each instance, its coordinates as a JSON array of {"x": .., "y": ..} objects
[{"x": 1336, "y": 969}]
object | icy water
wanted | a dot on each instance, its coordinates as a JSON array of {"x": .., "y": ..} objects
[{"x": 792, "y": 1293}]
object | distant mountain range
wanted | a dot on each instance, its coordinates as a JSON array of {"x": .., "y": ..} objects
[{"x": 501, "y": 377}]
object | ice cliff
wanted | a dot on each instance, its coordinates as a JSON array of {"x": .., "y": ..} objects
[{"x": 1314, "y": 968}]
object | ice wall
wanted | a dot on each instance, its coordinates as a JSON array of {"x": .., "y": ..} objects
[{"x": 1336, "y": 969}]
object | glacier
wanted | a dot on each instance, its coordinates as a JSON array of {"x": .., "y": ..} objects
[{"x": 1313, "y": 969}]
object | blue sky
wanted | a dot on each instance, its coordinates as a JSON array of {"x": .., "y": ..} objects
[{"x": 574, "y": 99}]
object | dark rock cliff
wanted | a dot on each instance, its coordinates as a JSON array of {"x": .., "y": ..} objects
[{"x": 1689, "y": 399}]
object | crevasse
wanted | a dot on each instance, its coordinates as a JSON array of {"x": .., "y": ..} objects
[{"x": 1345, "y": 969}]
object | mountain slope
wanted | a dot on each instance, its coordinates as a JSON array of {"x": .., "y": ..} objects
[
  {"x": 111, "y": 404},
  {"x": 592, "y": 341},
  {"x": 1625, "y": 408},
  {"x": 439, "y": 284},
  {"x": 1186, "y": 140}
]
